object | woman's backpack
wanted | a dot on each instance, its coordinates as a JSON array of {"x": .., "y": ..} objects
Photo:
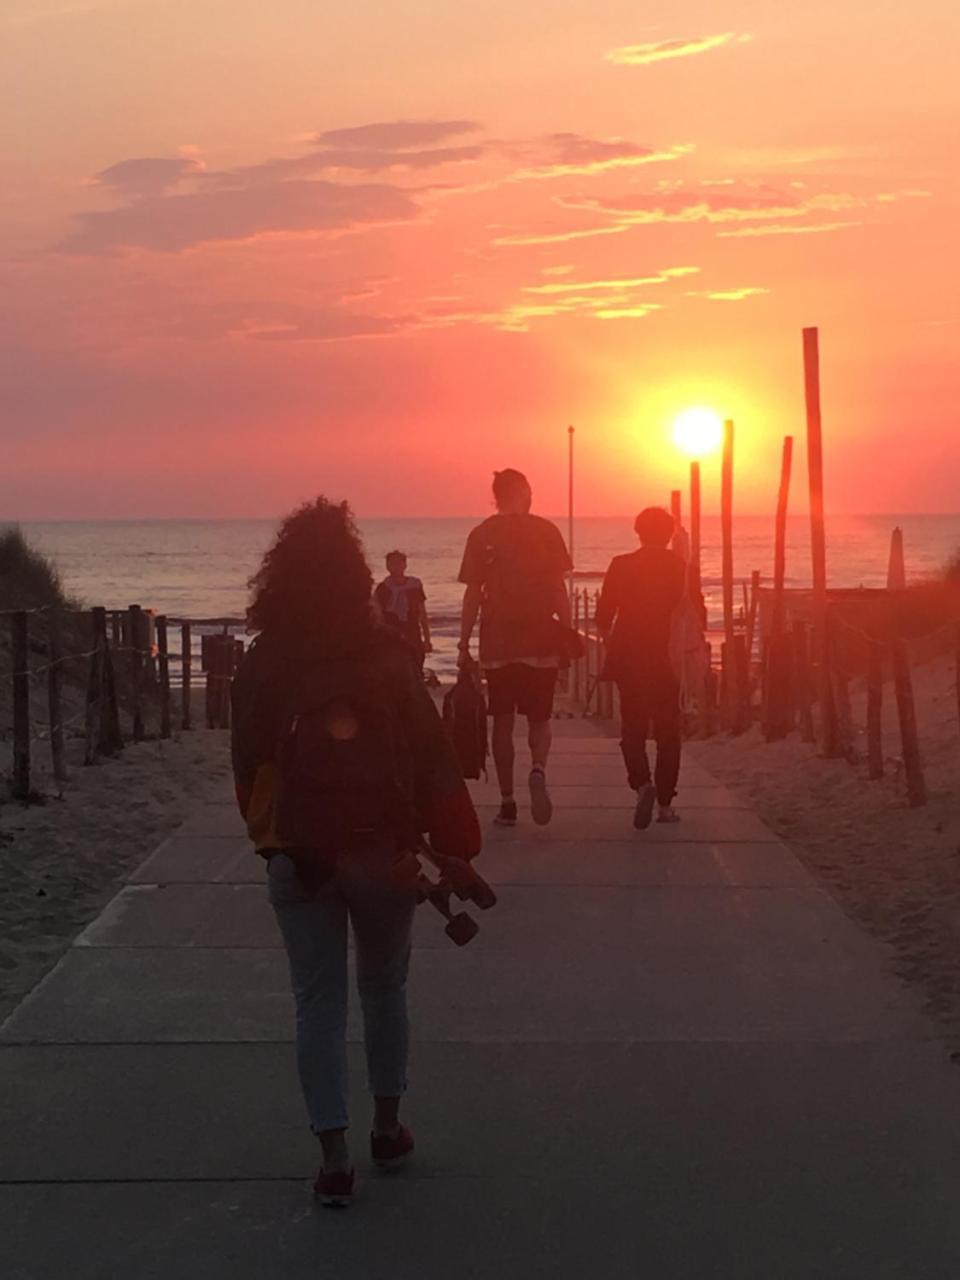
[
  {"x": 465, "y": 717},
  {"x": 344, "y": 768}
]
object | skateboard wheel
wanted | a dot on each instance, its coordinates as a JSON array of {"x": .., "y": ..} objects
[{"x": 462, "y": 929}]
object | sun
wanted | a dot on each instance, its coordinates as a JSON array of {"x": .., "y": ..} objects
[{"x": 697, "y": 431}]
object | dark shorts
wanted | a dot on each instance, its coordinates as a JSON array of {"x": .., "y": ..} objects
[{"x": 517, "y": 687}]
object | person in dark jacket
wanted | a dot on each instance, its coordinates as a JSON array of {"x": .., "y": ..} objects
[
  {"x": 322, "y": 659},
  {"x": 637, "y": 601}
]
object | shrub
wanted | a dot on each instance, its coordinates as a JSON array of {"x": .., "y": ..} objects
[{"x": 27, "y": 578}]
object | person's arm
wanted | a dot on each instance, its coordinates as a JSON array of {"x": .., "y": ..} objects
[
  {"x": 425, "y": 627},
  {"x": 469, "y": 613},
  {"x": 608, "y": 604}
]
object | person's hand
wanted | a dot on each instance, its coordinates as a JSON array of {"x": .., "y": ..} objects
[
  {"x": 464, "y": 660},
  {"x": 427, "y": 647}
]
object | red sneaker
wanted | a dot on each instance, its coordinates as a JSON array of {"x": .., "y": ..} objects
[
  {"x": 335, "y": 1190},
  {"x": 388, "y": 1152}
]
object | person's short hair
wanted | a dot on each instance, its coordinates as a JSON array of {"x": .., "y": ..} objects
[
  {"x": 508, "y": 482},
  {"x": 395, "y": 555},
  {"x": 655, "y": 526}
]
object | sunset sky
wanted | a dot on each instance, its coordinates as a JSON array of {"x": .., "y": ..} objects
[{"x": 250, "y": 250}]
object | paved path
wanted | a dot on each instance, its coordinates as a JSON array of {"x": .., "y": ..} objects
[{"x": 668, "y": 1055}]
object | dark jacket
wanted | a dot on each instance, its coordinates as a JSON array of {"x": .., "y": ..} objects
[
  {"x": 639, "y": 594},
  {"x": 265, "y": 688}
]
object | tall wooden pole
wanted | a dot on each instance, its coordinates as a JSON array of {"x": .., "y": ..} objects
[
  {"x": 729, "y": 665},
  {"x": 896, "y": 567},
  {"x": 826, "y": 738},
  {"x": 20, "y": 655},
  {"x": 695, "y": 526},
  {"x": 780, "y": 545},
  {"x": 570, "y": 435}
]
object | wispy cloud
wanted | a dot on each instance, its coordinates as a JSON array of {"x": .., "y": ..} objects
[
  {"x": 557, "y": 237},
  {"x": 171, "y": 223},
  {"x": 641, "y": 55},
  {"x": 776, "y": 229},
  {"x": 395, "y": 135},
  {"x": 148, "y": 175},
  {"x": 615, "y": 285},
  {"x": 568, "y": 154},
  {"x": 728, "y": 295},
  {"x": 277, "y": 322}
]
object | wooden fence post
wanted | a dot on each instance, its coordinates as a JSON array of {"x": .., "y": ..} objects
[
  {"x": 186, "y": 664},
  {"x": 826, "y": 737},
  {"x": 695, "y": 549},
  {"x": 94, "y": 695},
  {"x": 907, "y": 712},
  {"x": 676, "y": 510},
  {"x": 164, "y": 671},
  {"x": 752, "y": 606},
  {"x": 111, "y": 738},
  {"x": 55, "y": 714},
  {"x": 20, "y": 646},
  {"x": 134, "y": 641},
  {"x": 729, "y": 692},
  {"x": 896, "y": 566},
  {"x": 801, "y": 666},
  {"x": 840, "y": 689},
  {"x": 874, "y": 710}
]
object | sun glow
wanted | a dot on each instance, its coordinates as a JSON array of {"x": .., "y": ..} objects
[{"x": 697, "y": 431}]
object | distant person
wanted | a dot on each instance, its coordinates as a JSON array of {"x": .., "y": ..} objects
[
  {"x": 341, "y": 762},
  {"x": 513, "y": 569},
  {"x": 634, "y": 615},
  {"x": 403, "y": 604}
]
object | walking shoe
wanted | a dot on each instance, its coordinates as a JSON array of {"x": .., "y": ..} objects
[
  {"x": 667, "y": 813},
  {"x": 643, "y": 813},
  {"x": 389, "y": 1150},
  {"x": 334, "y": 1190},
  {"x": 541, "y": 806},
  {"x": 507, "y": 815}
]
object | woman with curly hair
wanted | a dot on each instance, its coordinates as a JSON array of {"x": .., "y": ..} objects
[{"x": 341, "y": 764}]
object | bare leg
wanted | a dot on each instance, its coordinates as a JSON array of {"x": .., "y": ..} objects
[
  {"x": 540, "y": 737},
  {"x": 503, "y": 753}
]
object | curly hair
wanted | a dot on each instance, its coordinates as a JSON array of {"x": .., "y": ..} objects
[{"x": 314, "y": 581}]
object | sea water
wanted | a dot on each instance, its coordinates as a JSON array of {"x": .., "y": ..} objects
[{"x": 200, "y": 568}]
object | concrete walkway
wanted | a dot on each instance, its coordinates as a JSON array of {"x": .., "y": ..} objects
[{"x": 667, "y": 1055}]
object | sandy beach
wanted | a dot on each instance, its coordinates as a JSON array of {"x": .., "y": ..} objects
[
  {"x": 62, "y": 860},
  {"x": 893, "y": 869}
]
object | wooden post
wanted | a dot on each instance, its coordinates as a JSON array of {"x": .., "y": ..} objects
[
  {"x": 94, "y": 694},
  {"x": 753, "y": 603},
  {"x": 186, "y": 664},
  {"x": 826, "y": 738},
  {"x": 874, "y": 710},
  {"x": 730, "y": 694},
  {"x": 801, "y": 666},
  {"x": 676, "y": 510},
  {"x": 896, "y": 566},
  {"x": 134, "y": 641},
  {"x": 840, "y": 688},
  {"x": 163, "y": 663},
  {"x": 20, "y": 653},
  {"x": 111, "y": 738},
  {"x": 55, "y": 713},
  {"x": 780, "y": 536},
  {"x": 907, "y": 713},
  {"x": 695, "y": 549}
]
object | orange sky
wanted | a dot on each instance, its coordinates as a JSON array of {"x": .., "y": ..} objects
[{"x": 252, "y": 250}]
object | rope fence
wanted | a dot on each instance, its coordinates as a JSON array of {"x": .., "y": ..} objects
[{"x": 100, "y": 678}]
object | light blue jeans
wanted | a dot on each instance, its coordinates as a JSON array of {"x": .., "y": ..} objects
[{"x": 314, "y": 928}]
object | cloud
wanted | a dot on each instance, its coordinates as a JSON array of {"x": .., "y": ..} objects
[
  {"x": 365, "y": 160},
  {"x": 777, "y": 230},
  {"x": 395, "y": 135},
  {"x": 557, "y": 237},
  {"x": 729, "y": 295},
  {"x": 616, "y": 285},
  {"x": 712, "y": 204},
  {"x": 170, "y": 223},
  {"x": 278, "y": 322},
  {"x": 148, "y": 175},
  {"x": 641, "y": 55},
  {"x": 564, "y": 154}
]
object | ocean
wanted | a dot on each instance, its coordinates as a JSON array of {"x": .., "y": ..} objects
[{"x": 200, "y": 568}]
